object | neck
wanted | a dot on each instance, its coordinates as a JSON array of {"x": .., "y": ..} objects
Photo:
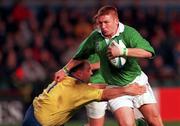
[{"x": 76, "y": 77}]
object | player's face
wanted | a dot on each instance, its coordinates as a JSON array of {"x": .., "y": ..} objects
[{"x": 108, "y": 24}]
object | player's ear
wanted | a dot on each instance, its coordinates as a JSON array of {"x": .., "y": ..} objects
[{"x": 116, "y": 20}]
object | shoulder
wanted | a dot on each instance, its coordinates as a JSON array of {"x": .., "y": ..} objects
[
  {"x": 130, "y": 32},
  {"x": 92, "y": 35},
  {"x": 95, "y": 33},
  {"x": 68, "y": 80},
  {"x": 129, "y": 29}
]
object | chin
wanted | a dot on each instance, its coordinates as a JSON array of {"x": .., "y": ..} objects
[{"x": 106, "y": 34}]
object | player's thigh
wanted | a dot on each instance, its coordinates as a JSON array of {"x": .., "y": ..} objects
[
  {"x": 125, "y": 116},
  {"x": 150, "y": 112},
  {"x": 119, "y": 102},
  {"x": 122, "y": 108},
  {"x": 96, "y": 110}
]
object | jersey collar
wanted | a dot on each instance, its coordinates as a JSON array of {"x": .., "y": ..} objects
[
  {"x": 120, "y": 30},
  {"x": 75, "y": 78}
]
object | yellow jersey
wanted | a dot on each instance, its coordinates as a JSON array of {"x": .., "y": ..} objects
[{"x": 58, "y": 102}]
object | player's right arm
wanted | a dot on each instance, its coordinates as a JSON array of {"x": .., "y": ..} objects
[
  {"x": 85, "y": 49},
  {"x": 132, "y": 89}
]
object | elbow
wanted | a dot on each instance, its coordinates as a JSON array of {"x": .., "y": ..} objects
[
  {"x": 104, "y": 97},
  {"x": 148, "y": 55}
]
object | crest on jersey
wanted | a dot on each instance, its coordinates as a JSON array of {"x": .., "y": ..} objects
[
  {"x": 97, "y": 45},
  {"x": 121, "y": 43}
]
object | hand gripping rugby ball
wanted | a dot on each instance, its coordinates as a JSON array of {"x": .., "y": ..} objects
[{"x": 118, "y": 62}]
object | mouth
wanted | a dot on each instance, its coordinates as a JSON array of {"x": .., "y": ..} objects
[{"x": 104, "y": 32}]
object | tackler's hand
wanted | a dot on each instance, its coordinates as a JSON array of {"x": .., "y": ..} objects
[
  {"x": 135, "y": 89},
  {"x": 59, "y": 75}
]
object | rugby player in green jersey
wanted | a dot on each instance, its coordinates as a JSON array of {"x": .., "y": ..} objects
[{"x": 135, "y": 46}]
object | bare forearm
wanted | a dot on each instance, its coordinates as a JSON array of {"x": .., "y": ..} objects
[
  {"x": 99, "y": 86},
  {"x": 132, "y": 89},
  {"x": 95, "y": 66},
  {"x": 111, "y": 93},
  {"x": 140, "y": 53}
]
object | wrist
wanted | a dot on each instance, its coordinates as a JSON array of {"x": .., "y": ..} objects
[
  {"x": 124, "y": 51},
  {"x": 66, "y": 71}
]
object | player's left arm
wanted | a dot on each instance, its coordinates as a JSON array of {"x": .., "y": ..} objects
[
  {"x": 139, "y": 53},
  {"x": 132, "y": 89},
  {"x": 115, "y": 51},
  {"x": 99, "y": 86},
  {"x": 138, "y": 46}
]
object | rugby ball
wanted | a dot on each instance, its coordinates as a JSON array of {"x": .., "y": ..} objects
[{"x": 118, "y": 62}]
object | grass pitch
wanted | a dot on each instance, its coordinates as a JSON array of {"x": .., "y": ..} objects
[
  {"x": 109, "y": 122},
  {"x": 112, "y": 122}
]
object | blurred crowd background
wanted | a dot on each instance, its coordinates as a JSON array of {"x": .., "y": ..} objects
[{"x": 37, "y": 38}]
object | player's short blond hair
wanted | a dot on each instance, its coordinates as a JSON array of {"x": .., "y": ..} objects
[
  {"x": 80, "y": 66},
  {"x": 106, "y": 10}
]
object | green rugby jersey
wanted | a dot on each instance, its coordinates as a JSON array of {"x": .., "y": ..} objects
[
  {"x": 96, "y": 43},
  {"x": 96, "y": 77}
]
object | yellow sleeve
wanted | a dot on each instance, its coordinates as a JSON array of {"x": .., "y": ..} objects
[{"x": 89, "y": 93}]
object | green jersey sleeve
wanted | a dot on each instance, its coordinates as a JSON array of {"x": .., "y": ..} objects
[
  {"x": 96, "y": 77},
  {"x": 136, "y": 40},
  {"x": 94, "y": 58},
  {"x": 86, "y": 48}
]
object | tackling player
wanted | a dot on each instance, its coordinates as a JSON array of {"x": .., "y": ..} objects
[{"x": 56, "y": 105}]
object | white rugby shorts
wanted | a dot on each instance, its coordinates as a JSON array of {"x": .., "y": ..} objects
[{"x": 97, "y": 109}]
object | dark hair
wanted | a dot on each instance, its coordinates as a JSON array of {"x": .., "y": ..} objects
[
  {"x": 105, "y": 10},
  {"x": 79, "y": 66}
]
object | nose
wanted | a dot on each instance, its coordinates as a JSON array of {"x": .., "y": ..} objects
[{"x": 103, "y": 25}]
